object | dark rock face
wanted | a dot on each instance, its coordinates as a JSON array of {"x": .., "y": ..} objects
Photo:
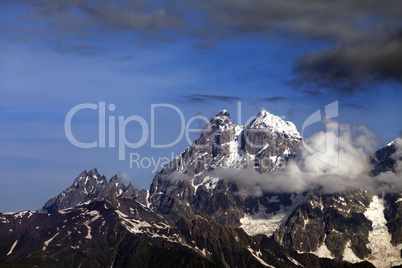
[
  {"x": 90, "y": 185},
  {"x": 393, "y": 215},
  {"x": 333, "y": 220},
  {"x": 382, "y": 160}
]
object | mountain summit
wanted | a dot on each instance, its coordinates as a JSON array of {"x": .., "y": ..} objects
[{"x": 90, "y": 185}]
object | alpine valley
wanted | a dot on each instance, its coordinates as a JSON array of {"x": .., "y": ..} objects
[{"x": 191, "y": 216}]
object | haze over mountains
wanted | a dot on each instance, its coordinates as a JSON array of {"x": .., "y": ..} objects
[{"x": 239, "y": 196}]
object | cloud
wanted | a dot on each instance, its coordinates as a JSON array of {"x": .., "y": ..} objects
[
  {"x": 291, "y": 112},
  {"x": 354, "y": 106},
  {"x": 82, "y": 16},
  {"x": 363, "y": 38},
  {"x": 311, "y": 92},
  {"x": 352, "y": 66},
  {"x": 202, "y": 98},
  {"x": 204, "y": 44},
  {"x": 347, "y": 155},
  {"x": 176, "y": 176},
  {"x": 274, "y": 99},
  {"x": 76, "y": 48},
  {"x": 123, "y": 177}
]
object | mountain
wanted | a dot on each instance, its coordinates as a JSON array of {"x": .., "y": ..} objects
[
  {"x": 91, "y": 185},
  {"x": 382, "y": 160},
  {"x": 353, "y": 226},
  {"x": 197, "y": 214},
  {"x": 347, "y": 226},
  {"x": 187, "y": 186},
  {"x": 99, "y": 234}
]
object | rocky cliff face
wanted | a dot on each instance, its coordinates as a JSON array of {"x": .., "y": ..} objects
[
  {"x": 382, "y": 160},
  {"x": 326, "y": 224}
]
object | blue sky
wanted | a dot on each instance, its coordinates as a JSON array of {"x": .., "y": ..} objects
[{"x": 202, "y": 57}]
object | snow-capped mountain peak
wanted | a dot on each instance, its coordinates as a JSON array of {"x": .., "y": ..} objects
[
  {"x": 224, "y": 112},
  {"x": 269, "y": 122},
  {"x": 220, "y": 122}
]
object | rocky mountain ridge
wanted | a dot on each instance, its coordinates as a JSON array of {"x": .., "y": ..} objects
[
  {"x": 99, "y": 234},
  {"x": 187, "y": 186},
  {"x": 191, "y": 217},
  {"x": 91, "y": 185}
]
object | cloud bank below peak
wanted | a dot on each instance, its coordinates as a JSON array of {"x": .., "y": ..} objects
[{"x": 343, "y": 167}]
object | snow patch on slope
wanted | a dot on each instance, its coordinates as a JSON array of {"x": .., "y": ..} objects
[
  {"x": 95, "y": 215},
  {"x": 12, "y": 247},
  {"x": 267, "y": 223},
  {"x": 46, "y": 244},
  {"x": 294, "y": 261},
  {"x": 262, "y": 223},
  {"x": 257, "y": 256},
  {"x": 349, "y": 255},
  {"x": 234, "y": 146},
  {"x": 323, "y": 252},
  {"x": 133, "y": 226},
  {"x": 384, "y": 254}
]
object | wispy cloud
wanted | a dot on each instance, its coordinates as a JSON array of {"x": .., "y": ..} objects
[
  {"x": 83, "y": 49},
  {"x": 311, "y": 92},
  {"x": 354, "y": 106},
  {"x": 202, "y": 98},
  {"x": 123, "y": 177},
  {"x": 274, "y": 99}
]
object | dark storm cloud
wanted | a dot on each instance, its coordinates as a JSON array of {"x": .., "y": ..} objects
[
  {"x": 202, "y": 98},
  {"x": 350, "y": 67},
  {"x": 82, "y": 16},
  {"x": 312, "y": 92},
  {"x": 363, "y": 37}
]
